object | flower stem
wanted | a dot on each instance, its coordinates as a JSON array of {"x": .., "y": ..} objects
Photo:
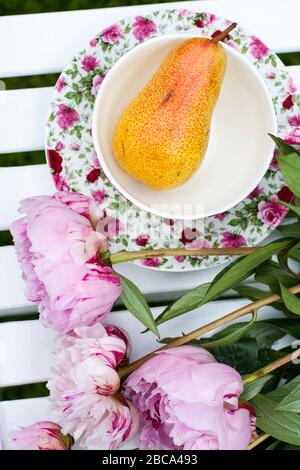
[
  {"x": 123, "y": 256},
  {"x": 271, "y": 367},
  {"x": 223, "y": 34},
  {"x": 209, "y": 327},
  {"x": 258, "y": 441}
]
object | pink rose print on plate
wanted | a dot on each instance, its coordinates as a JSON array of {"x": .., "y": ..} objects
[
  {"x": 185, "y": 12},
  {"x": 55, "y": 161},
  {"x": 288, "y": 102},
  {"x": 142, "y": 240},
  {"x": 197, "y": 245},
  {"x": 60, "y": 84},
  {"x": 99, "y": 195},
  {"x": 258, "y": 191},
  {"x": 142, "y": 28},
  {"x": 270, "y": 212},
  {"x": 257, "y": 48},
  {"x": 66, "y": 116},
  {"x": 220, "y": 216},
  {"x": 291, "y": 86},
  {"x": 97, "y": 80},
  {"x": 89, "y": 62},
  {"x": 232, "y": 240},
  {"x": 112, "y": 34},
  {"x": 285, "y": 194},
  {"x": 93, "y": 175},
  {"x": 294, "y": 120},
  {"x": 180, "y": 259},
  {"x": 204, "y": 20},
  {"x": 271, "y": 75},
  {"x": 59, "y": 145},
  {"x": 293, "y": 136},
  {"x": 93, "y": 42},
  {"x": 151, "y": 262},
  {"x": 60, "y": 182},
  {"x": 188, "y": 235}
]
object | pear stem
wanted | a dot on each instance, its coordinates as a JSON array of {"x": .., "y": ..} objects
[{"x": 223, "y": 34}]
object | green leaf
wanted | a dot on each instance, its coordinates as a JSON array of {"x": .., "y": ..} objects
[
  {"x": 228, "y": 278},
  {"x": 186, "y": 303},
  {"x": 136, "y": 303},
  {"x": 291, "y": 301},
  {"x": 284, "y": 426},
  {"x": 288, "y": 326},
  {"x": 290, "y": 230},
  {"x": 242, "y": 268},
  {"x": 281, "y": 392},
  {"x": 271, "y": 273},
  {"x": 284, "y": 148},
  {"x": 230, "y": 338},
  {"x": 293, "y": 208},
  {"x": 291, "y": 402},
  {"x": 253, "y": 388},
  {"x": 290, "y": 168},
  {"x": 242, "y": 355}
]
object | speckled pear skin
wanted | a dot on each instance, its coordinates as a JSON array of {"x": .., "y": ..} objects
[{"x": 162, "y": 136}]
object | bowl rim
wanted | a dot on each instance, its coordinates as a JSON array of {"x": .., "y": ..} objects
[{"x": 114, "y": 181}]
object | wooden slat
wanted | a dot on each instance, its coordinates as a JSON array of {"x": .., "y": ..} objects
[
  {"x": 46, "y": 42},
  {"x": 156, "y": 285},
  {"x": 26, "y": 346},
  {"x": 20, "y": 413},
  {"x": 17, "y": 183},
  {"x": 16, "y": 413}
]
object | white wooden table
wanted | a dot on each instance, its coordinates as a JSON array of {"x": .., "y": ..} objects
[{"x": 44, "y": 43}]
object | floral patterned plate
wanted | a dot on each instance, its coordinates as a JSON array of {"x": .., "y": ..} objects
[{"x": 74, "y": 164}]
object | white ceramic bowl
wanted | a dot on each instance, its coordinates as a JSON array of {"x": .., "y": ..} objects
[{"x": 239, "y": 150}]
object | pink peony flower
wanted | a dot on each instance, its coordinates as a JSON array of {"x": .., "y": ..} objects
[
  {"x": 142, "y": 28},
  {"x": 257, "y": 48},
  {"x": 188, "y": 401},
  {"x": 292, "y": 137},
  {"x": 255, "y": 193},
  {"x": 142, "y": 240},
  {"x": 112, "y": 34},
  {"x": 270, "y": 212},
  {"x": 97, "y": 80},
  {"x": 294, "y": 120},
  {"x": 58, "y": 251},
  {"x": 288, "y": 102},
  {"x": 83, "y": 385},
  {"x": 43, "y": 435},
  {"x": 78, "y": 295},
  {"x": 34, "y": 288},
  {"x": 60, "y": 84},
  {"x": 89, "y": 63},
  {"x": 232, "y": 240},
  {"x": 66, "y": 116},
  {"x": 151, "y": 262}
]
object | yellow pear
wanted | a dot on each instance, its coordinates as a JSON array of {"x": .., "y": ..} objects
[{"x": 162, "y": 135}]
